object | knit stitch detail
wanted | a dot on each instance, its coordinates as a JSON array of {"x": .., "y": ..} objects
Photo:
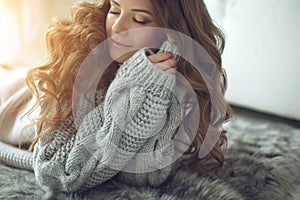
[{"x": 102, "y": 146}]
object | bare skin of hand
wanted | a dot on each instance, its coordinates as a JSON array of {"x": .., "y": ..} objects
[{"x": 165, "y": 62}]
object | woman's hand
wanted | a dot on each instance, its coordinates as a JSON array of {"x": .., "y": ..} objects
[{"x": 164, "y": 61}]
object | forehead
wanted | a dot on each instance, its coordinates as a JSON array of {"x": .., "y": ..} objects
[{"x": 140, "y": 4}]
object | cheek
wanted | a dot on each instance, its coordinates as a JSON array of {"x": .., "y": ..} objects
[
  {"x": 108, "y": 25},
  {"x": 147, "y": 38},
  {"x": 123, "y": 57}
]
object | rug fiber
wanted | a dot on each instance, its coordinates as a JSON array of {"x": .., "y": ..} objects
[{"x": 262, "y": 162}]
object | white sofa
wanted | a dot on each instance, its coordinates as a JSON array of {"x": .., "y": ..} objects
[{"x": 262, "y": 55}]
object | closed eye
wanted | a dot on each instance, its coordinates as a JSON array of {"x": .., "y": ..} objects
[{"x": 140, "y": 22}]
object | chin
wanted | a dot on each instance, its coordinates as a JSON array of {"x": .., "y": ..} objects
[{"x": 123, "y": 57}]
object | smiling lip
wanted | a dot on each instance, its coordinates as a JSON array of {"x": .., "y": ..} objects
[{"x": 118, "y": 44}]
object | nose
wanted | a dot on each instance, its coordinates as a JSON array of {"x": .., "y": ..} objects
[{"x": 120, "y": 26}]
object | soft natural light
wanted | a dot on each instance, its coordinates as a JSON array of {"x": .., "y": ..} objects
[
  {"x": 9, "y": 43},
  {"x": 23, "y": 27},
  {"x": 9, "y": 37}
]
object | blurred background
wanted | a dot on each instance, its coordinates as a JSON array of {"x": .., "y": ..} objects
[
  {"x": 23, "y": 25},
  {"x": 261, "y": 56}
]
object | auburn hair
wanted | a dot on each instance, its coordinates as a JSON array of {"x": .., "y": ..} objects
[{"x": 69, "y": 41}]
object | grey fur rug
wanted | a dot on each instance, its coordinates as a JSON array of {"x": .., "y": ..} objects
[{"x": 262, "y": 162}]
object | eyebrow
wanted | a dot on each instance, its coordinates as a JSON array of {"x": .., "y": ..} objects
[
  {"x": 144, "y": 11},
  {"x": 134, "y": 10}
]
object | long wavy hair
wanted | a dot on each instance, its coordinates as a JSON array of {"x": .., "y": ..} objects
[{"x": 70, "y": 41}]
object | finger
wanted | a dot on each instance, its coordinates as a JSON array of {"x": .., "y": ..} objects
[
  {"x": 160, "y": 57},
  {"x": 171, "y": 70},
  {"x": 170, "y": 63}
]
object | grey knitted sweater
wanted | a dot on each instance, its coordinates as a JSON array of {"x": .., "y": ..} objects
[{"x": 102, "y": 148}]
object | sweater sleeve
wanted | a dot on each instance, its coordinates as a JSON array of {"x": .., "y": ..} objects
[{"x": 110, "y": 135}]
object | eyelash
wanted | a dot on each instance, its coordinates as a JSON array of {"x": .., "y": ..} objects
[{"x": 139, "y": 22}]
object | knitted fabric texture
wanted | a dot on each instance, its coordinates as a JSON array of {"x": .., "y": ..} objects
[{"x": 70, "y": 159}]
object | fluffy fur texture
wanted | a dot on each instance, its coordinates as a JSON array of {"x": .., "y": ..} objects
[{"x": 262, "y": 162}]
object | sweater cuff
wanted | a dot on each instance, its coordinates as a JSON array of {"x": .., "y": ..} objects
[
  {"x": 169, "y": 47},
  {"x": 139, "y": 69}
]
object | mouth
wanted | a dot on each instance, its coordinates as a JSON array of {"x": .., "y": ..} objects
[{"x": 119, "y": 44}]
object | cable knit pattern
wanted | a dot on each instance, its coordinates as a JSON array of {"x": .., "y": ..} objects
[{"x": 68, "y": 160}]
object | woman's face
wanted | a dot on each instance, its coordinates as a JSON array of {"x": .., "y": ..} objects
[{"x": 124, "y": 25}]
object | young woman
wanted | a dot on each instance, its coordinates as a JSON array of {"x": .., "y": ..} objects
[{"x": 70, "y": 156}]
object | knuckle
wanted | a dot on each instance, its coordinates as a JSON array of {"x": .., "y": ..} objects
[
  {"x": 172, "y": 62},
  {"x": 169, "y": 55}
]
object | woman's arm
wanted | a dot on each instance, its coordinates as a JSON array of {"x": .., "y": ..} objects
[{"x": 65, "y": 161}]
